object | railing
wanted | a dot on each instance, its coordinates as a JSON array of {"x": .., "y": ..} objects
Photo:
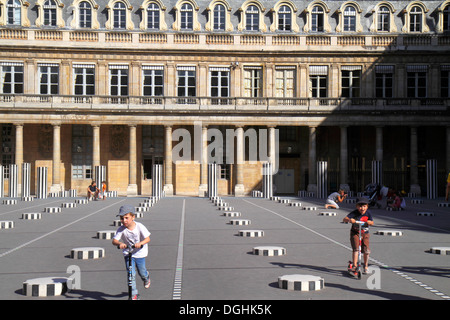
[{"x": 154, "y": 103}]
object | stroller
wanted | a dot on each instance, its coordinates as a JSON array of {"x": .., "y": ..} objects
[{"x": 372, "y": 192}]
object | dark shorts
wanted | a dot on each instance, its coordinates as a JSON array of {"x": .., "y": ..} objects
[{"x": 354, "y": 240}]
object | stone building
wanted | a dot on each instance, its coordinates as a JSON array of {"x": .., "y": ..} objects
[{"x": 127, "y": 84}]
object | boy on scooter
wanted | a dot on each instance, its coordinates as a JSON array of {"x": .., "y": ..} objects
[
  {"x": 133, "y": 234},
  {"x": 361, "y": 213}
]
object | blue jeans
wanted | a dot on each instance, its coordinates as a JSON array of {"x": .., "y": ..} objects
[{"x": 138, "y": 263}]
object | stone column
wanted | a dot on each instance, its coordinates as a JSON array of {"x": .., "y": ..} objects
[
  {"x": 344, "y": 160},
  {"x": 132, "y": 186},
  {"x": 379, "y": 144},
  {"x": 56, "y": 179},
  {"x": 414, "y": 173},
  {"x": 203, "y": 188},
  {"x": 312, "y": 183},
  {"x": 239, "y": 187},
  {"x": 168, "y": 184},
  {"x": 19, "y": 155},
  {"x": 95, "y": 145}
]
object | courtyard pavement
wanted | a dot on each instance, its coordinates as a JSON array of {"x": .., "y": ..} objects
[{"x": 196, "y": 254}]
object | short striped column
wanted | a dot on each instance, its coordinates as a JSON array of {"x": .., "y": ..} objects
[
  {"x": 26, "y": 178},
  {"x": 45, "y": 287},
  {"x": 377, "y": 172},
  {"x": 157, "y": 180},
  {"x": 440, "y": 250},
  {"x": 68, "y": 205},
  {"x": 6, "y": 224},
  {"x": 232, "y": 214},
  {"x": 106, "y": 234},
  {"x": 267, "y": 175},
  {"x": 392, "y": 233},
  {"x": 13, "y": 176},
  {"x": 52, "y": 209},
  {"x": 251, "y": 233},
  {"x": 42, "y": 175},
  {"x": 85, "y": 253},
  {"x": 240, "y": 222},
  {"x": 82, "y": 201},
  {"x": 328, "y": 214},
  {"x": 32, "y": 216},
  {"x": 269, "y": 251},
  {"x": 212, "y": 180},
  {"x": 322, "y": 179},
  {"x": 300, "y": 282},
  {"x": 425, "y": 214},
  {"x": 432, "y": 179}
]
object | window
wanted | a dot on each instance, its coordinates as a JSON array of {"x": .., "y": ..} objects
[
  {"x": 415, "y": 19},
  {"x": 384, "y": 16},
  {"x": 445, "y": 81},
  {"x": 384, "y": 80},
  {"x": 446, "y": 18},
  {"x": 120, "y": 14},
  {"x": 11, "y": 80},
  {"x": 153, "y": 13},
  {"x": 318, "y": 77},
  {"x": 284, "y": 19},
  {"x": 85, "y": 15},
  {"x": 50, "y": 13},
  {"x": 285, "y": 81},
  {"x": 349, "y": 18},
  {"x": 351, "y": 81},
  {"x": 84, "y": 80},
  {"x": 416, "y": 81},
  {"x": 252, "y": 18},
  {"x": 219, "y": 17},
  {"x": 118, "y": 82},
  {"x": 187, "y": 17},
  {"x": 186, "y": 83},
  {"x": 48, "y": 79},
  {"x": 253, "y": 81},
  {"x": 317, "y": 19},
  {"x": 153, "y": 81},
  {"x": 13, "y": 8},
  {"x": 219, "y": 78},
  {"x": 82, "y": 136},
  {"x": 152, "y": 148}
]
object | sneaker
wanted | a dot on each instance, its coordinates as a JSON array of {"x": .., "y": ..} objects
[
  {"x": 147, "y": 283},
  {"x": 135, "y": 297}
]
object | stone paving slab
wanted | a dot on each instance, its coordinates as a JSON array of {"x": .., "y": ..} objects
[{"x": 219, "y": 265}]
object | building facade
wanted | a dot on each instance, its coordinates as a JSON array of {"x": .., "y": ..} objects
[{"x": 127, "y": 84}]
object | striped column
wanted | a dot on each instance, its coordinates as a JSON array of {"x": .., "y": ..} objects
[
  {"x": 2, "y": 181},
  {"x": 100, "y": 175},
  {"x": 432, "y": 179},
  {"x": 377, "y": 172},
  {"x": 322, "y": 179},
  {"x": 26, "y": 178},
  {"x": 13, "y": 175},
  {"x": 41, "y": 190},
  {"x": 267, "y": 185},
  {"x": 212, "y": 180},
  {"x": 157, "y": 177}
]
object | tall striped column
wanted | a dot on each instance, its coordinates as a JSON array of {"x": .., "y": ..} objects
[
  {"x": 157, "y": 187},
  {"x": 377, "y": 172},
  {"x": 212, "y": 180},
  {"x": 13, "y": 175},
  {"x": 2, "y": 181},
  {"x": 26, "y": 178},
  {"x": 432, "y": 179},
  {"x": 267, "y": 185},
  {"x": 322, "y": 179},
  {"x": 41, "y": 190},
  {"x": 100, "y": 175}
]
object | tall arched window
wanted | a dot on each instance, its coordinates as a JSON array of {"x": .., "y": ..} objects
[
  {"x": 285, "y": 18},
  {"x": 219, "y": 13},
  {"x": 13, "y": 8},
  {"x": 119, "y": 15},
  {"x": 446, "y": 18},
  {"x": 349, "y": 18},
  {"x": 153, "y": 16},
  {"x": 384, "y": 16},
  {"x": 187, "y": 17},
  {"x": 415, "y": 19},
  {"x": 50, "y": 13},
  {"x": 252, "y": 18},
  {"x": 317, "y": 19},
  {"x": 85, "y": 10}
]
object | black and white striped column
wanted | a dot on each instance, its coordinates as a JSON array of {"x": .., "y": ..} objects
[
  {"x": 377, "y": 172},
  {"x": 41, "y": 190},
  {"x": 13, "y": 176},
  {"x": 100, "y": 175},
  {"x": 2, "y": 181},
  {"x": 212, "y": 180},
  {"x": 26, "y": 178},
  {"x": 322, "y": 179},
  {"x": 432, "y": 179},
  {"x": 267, "y": 185},
  {"x": 157, "y": 177}
]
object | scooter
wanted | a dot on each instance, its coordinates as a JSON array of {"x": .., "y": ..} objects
[
  {"x": 357, "y": 272},
  {"x": 130, "y": 271}
]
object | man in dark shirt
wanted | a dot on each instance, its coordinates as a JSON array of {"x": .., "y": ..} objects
[{"x": 92, "y": 191}]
